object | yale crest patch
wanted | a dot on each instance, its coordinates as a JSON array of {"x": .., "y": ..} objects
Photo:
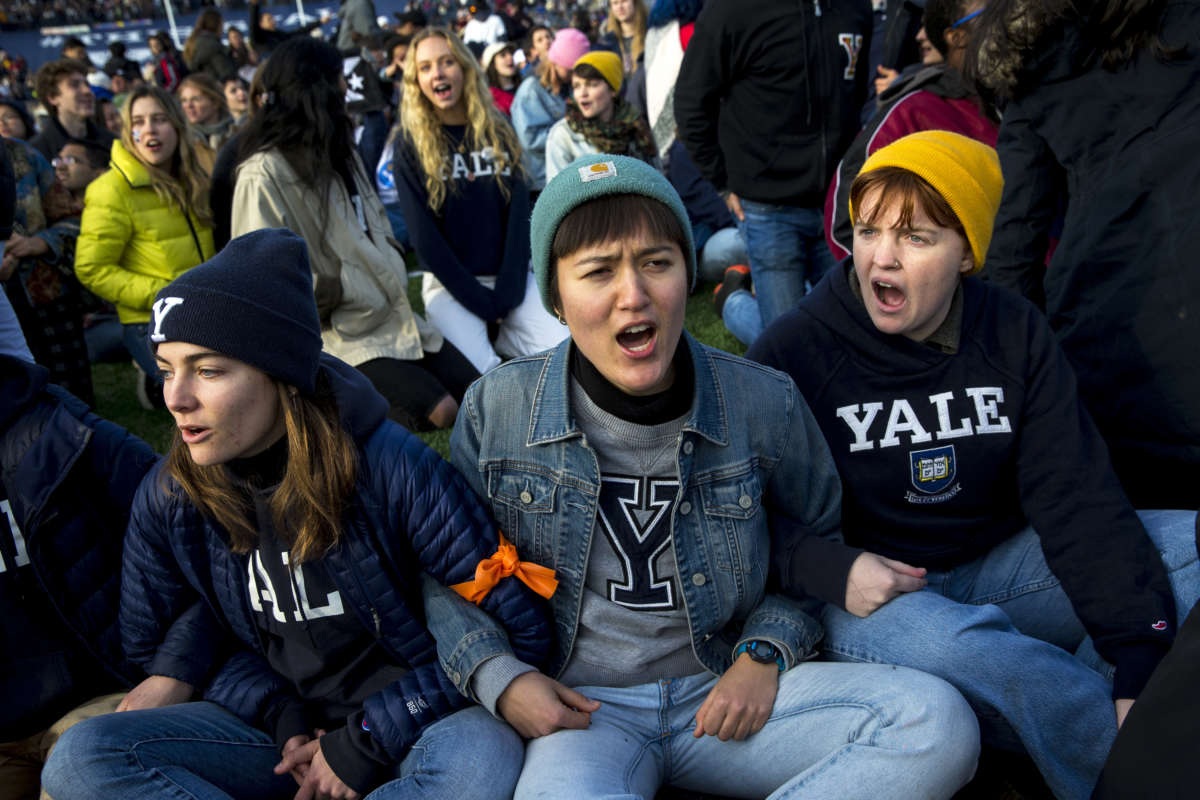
[{"x": 933, "y": 469}]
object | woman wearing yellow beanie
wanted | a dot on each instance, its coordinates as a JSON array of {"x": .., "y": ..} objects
[
  {"x": 598, "y": 119},
  {"x": 985, "y": 532}
]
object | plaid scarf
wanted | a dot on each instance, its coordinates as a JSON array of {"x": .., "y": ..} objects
[{"x": 626, "y": 134}]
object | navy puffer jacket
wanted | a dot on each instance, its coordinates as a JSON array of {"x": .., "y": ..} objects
[
  {"x": 412, "y": 512},
  {"x": 68, "y": 480}
]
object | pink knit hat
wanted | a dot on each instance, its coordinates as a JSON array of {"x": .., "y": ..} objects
[{"x": 568, "y": 45}]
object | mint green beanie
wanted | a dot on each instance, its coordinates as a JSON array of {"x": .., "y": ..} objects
[{"x": 588, "y": 178}]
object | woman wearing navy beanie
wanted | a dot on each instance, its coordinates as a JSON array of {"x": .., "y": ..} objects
[{"x": 287, "y": 531}]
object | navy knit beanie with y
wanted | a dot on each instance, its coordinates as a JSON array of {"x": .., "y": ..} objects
[{"x": 252, "y": 301}]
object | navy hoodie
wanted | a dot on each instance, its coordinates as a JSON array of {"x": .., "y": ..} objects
[
  {"x": 477, "y": 231},
  {"x": 943, "y": 456}
]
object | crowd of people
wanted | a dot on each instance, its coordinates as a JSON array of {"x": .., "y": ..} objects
[
  {"x": 30, "y": 13},
  {"x": 947, "y": 500}
]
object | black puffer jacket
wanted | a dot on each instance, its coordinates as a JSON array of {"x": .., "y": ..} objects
[{"x": 1122, "y": 290}]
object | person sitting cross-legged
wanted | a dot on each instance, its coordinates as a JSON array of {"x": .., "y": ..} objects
[
  {"x": 987, "y": 535},
  {"x": 648, "y": 470}
]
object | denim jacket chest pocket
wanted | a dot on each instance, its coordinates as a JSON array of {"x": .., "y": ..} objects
[
  {"x": 524, "y": 498},
  {"x": 731, "y": 500}
]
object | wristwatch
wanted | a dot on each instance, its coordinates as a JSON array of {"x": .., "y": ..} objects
[{"x": 761, "y": 651}]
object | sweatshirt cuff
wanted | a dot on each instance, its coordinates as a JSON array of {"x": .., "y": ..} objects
[
  {"x": 818, "y": 567},
  {"x": 287, "y": 719},
  {"x": 351, "y": 758},
  {"x": 1135, "y": 662},
  {"x": 493, "y": 676}
]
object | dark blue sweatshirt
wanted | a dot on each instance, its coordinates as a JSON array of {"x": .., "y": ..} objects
[
  {"x": 477, "y": 231},
  {"x": 945, "y": 455}
]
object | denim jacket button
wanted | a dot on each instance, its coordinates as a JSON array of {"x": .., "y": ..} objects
[
  {"x": 687, "y": 448},
  {"x": 455, "y": 677},
  {"x": 685, "y": 508},
  {"x": 744, "y": 501},
  {"x": 526, "y": 497},
  {"x": 699, "y": 580}
]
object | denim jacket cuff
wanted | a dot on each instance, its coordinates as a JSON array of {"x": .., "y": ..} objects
[{"x": 782, "y": 623}]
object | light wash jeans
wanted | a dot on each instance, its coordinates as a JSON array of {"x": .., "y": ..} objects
[
  {"x": 200, "y": 750},
  {"x": 786, "y": 247},
  {"x": 837, "y": 731},
  {"x": 722, "y": 250},
  {"x": 1003, "y": 632}
]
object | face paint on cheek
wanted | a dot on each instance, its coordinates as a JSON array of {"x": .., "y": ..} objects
[{"x": 137, "y": 136}]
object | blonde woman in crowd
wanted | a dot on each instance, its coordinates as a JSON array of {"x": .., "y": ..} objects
[
  {"x": 145, "y": 221},
  {"x": 464, "y": 197}
]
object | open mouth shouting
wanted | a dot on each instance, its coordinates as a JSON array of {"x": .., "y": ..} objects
[
  {"x": 889, "y": 296},
  {"x": 443, "y": 91},
  {"x": 638, "y": 340}
]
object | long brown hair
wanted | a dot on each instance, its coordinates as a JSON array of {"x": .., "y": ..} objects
[
  {"x": 318, "y": 481},
  {"x": 209, "y": 21},
  {"x": 186, "y": 181}
]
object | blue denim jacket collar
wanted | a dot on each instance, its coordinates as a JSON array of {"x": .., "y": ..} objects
[{"x": 551, "y": 419}]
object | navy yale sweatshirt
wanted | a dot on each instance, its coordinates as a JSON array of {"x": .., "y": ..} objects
[{"x": 945, "y": 455}]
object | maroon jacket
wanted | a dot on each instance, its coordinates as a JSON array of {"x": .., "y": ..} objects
[{"x": 934, "y": 98}]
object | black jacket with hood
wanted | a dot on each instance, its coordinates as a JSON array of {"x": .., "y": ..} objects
[
  {"x": 769, "y": 94},
  {"x": 1122, "y": 290}
]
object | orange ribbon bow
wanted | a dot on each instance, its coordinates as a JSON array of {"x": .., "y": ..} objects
[{"x": 502, "y": 564}]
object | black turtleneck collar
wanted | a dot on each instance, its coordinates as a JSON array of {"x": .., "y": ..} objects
[
  {"x": 263, "y": 470},
  {"x": 652, "y": 409}
]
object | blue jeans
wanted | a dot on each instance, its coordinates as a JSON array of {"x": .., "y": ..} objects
[
  {"x": 1003, "y": 632},
  {"x": 105, "y": 340},
  {"x": 723, "y": 249},
  {"x": 786, "y": 247},
  {"x": 136, "y": 341},
  {"x": 867, "y": 731},
  {"x": 200, "y": 750}
]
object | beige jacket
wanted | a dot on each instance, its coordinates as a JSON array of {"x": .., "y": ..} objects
[{"x": 360, "y": 281}]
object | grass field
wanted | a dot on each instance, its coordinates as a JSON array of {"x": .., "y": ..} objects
[{"x": 1001, "y": 776}]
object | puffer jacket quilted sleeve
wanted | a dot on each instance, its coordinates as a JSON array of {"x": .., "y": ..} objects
[
  {"x": 450, "y": 531},
  {"x": 166, "y": 627},
  {"x": 132, "y": 243}
]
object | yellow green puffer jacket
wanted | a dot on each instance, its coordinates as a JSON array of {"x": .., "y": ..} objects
[{"x": 131, "y": 243}]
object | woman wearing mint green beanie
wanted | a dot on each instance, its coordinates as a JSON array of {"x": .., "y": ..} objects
[{"x": 651, "y": 472}]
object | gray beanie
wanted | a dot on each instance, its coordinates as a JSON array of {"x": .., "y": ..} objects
[{"x": 588, "y": 178}]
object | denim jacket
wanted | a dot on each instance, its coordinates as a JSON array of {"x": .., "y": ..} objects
[{"x": 750, "y": 450}]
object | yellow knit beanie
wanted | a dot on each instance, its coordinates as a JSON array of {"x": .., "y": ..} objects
[
  {"x": 607, "y": 64},
  {"x": 963, "y": 171}
]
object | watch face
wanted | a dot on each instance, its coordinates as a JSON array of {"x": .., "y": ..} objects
[{"x": 761, "y": 651}]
